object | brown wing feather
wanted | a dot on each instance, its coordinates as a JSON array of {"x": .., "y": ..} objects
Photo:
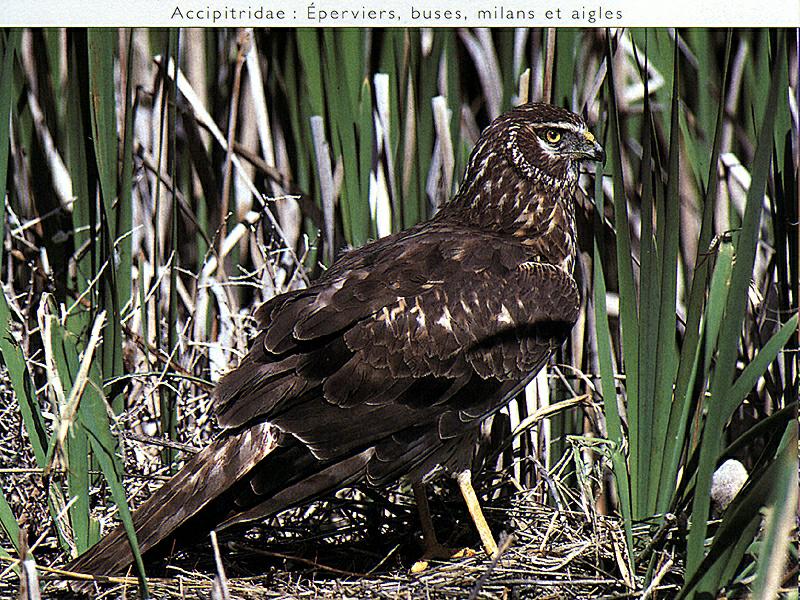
[{"x": 399, "y": 360}]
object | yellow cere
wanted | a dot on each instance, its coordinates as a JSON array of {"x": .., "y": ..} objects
[{"x": 589, "y": 137}]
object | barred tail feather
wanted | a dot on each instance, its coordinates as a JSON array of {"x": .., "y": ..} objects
[{"x": 205, "y": 477}]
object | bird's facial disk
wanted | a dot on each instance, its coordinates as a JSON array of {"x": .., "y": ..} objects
[{"x": 569, "y": 141}]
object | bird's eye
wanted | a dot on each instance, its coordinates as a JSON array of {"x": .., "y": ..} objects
[{"x": 552, "y": 135}]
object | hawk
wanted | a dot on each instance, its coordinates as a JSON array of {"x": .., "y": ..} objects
[{"x": 386, "y": 366}]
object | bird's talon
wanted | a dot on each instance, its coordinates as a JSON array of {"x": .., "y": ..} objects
[
  {"x": 419, "y": 566},
  {"x": 464, "y": 553},
  {"x": 440, "y": 552}
]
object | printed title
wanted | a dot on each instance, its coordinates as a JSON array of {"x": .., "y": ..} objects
[{"x": 322, "y": 14}]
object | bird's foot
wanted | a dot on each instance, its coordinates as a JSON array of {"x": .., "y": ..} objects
[{"x": 440, "y": 552}]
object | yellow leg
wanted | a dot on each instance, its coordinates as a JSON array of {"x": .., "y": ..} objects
[
  {"x": 465, "y": 485},
  {"x": 433, "y": 549}
]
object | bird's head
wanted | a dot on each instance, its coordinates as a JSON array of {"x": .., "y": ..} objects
[
  {"x": 546, "y": 143},
  {"x": 523, "y": 172},
  {"x": 541, "y": 143}
]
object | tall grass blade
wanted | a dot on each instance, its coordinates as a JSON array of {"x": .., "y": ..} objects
[
  {"x": 629, "y": 324},
  {"x": 92, "y": 415},
  {"x": 667, "y": 355},
  {"x": 124, "y": 212},
  {"x": 691, "y": 347},
  {"x": 776, "y": 544},
  {"x": 10, "y": 46},
  {"x": 609, "y": 388},
  {"x": 365, "y": 133},
  {"x": 21, "y": 382},
  {"x": 101, "y": 49},
  {"x": 452, "y": 94},
  {"x": 743, "y": 518},
  {"x": 77, "y": 132},
  {"x": 326, "y": 187},
  {"x": 564, "y": 77},
  {"x": 650, "y": 275},
  {"x": 723, "y": 375},
  {"x": 9, "y": 524},
  {"x": 717, "y": 298},
  {"x": 310, "y": 55},
  {"x": 63, "y": 347},
  {"x": 426, "y": 91},
  {"x": 660, "y": 55}
]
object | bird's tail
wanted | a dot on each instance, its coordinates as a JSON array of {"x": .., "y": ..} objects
[{"x": 204, "y": 478}]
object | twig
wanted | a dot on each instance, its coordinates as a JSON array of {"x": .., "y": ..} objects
[
  {"x": 165, "y": 359},
  {"x": 326, "y": 182},
  {"x": 549, "y": 65},
  {"x": 77, "y": 576},
  {"x": 219, "y": 589},
  {"x": 304, "y": 561},
  {"x": 244, "y": 47},
  {"x": 204, "y": 119},
  {"x": 162, "y": 442},
  {"x": 669, "y": 522},
  {"x": 663, "y": 570},
  {"x": 547, "y": 411},
  {"x": 29, "y": 578},
  {"x": 505, "y": 544},
  {"x": 384, "y": 559}
]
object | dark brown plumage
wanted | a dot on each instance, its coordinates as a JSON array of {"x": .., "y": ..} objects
[{"x": 387, "y": 365}]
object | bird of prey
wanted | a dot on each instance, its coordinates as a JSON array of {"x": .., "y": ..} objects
[{"x": 386, "y": 365}]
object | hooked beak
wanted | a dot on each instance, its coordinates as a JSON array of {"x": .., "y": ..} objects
[{"x": 590, "y": 148}]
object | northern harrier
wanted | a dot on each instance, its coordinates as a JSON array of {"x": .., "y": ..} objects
[{"x": 388, "y": 363}]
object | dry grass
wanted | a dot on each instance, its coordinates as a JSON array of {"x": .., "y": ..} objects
[
  {"x": 337, "y": 549},
  {"x": 361, "y": 543}
]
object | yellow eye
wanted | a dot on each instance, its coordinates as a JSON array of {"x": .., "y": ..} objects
[{"x": 552, "y": 135}]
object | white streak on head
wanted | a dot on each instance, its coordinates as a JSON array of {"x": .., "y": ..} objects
[
  {"x": 546, "y": 148},
  {"x": 561, "y": 125}
]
